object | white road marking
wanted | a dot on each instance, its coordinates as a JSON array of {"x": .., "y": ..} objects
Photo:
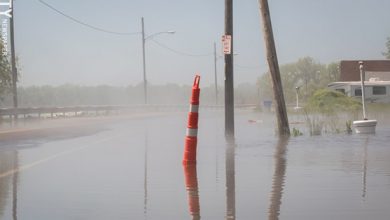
[{"x": 52, "y": 157}]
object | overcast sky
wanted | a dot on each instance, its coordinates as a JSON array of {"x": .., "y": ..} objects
[{"x": 55, "y": 50}]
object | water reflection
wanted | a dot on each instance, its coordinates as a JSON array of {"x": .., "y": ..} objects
[
  {"x": 191, "y": 182},
  {"x": 8, "y": 163},
  {"x": 15, "y": 177},
  {"x": 365, "y": 169},
  {"x": 146, "y": 177},
  {"x": 278, "y": 179},
  {"x": 230, "y": 179}
]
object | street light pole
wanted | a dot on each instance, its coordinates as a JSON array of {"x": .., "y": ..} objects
[
  {"x": 297, "y": 96},
  {"x": 144, "y": 62},
  {"x": 215, "y": 74},
  {"x": 144, "y": 38}
]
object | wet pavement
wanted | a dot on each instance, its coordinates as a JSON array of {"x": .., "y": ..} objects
[{"x": 131, "y": 168}]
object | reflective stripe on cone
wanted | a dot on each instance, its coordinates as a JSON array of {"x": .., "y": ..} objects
[{"x": 192, "y": 125}]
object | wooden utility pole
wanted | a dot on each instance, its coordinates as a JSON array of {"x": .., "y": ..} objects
[
  {"x": 229, "y": 85},
  {"x": 281, "y": 113},
  {"x": 13, "y": 60}
]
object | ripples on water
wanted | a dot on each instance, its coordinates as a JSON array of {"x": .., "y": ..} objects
[{"x": 132, "y": 170}]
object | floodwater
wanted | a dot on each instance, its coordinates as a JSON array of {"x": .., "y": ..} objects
[{"x": 131, "y": 168}]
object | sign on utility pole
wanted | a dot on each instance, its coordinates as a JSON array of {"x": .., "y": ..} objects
[{"x": 227, "y": 44}]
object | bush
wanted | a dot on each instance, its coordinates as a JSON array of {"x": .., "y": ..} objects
[
  {"x": 324, "y": 109},
  {"x": 327, "y": 101}
]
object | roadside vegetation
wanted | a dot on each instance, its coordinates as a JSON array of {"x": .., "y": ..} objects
[
  {"x": 5, "y": 72},
  {"x": 387, "y": 52},
  {"x": 306, "y": 74},
  {"x": 330, "y": 112},
  {"x": 323, "y": 110}
]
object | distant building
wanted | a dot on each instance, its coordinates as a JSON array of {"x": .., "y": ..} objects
[
  {"x": 378, "y": 69},
  {"x": 375, "y": 91},
  {"x": 377, "y": 77}
]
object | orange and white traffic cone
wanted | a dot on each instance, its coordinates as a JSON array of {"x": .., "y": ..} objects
[{"x": 192, "y": 126}]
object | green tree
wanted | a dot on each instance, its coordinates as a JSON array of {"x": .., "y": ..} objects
[
  {"x": 305, "y": 74},
  {"x": 5, "y": 72},
  {"x": 387, "y": 53},
  {"x": 333, "y": 71}
]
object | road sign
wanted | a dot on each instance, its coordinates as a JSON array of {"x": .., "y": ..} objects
[{"x": 227, "y": 44}]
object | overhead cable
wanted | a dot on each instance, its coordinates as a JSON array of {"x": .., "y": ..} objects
[
  {"x": 250, "y": 67},
  {"x": 85, "y": 24},
  {"x": 180, "y": 52}
]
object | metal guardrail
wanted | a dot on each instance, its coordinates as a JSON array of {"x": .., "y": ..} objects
[
  {"x": 99, "y": 109},
  {"x": 73, "y": 109}
]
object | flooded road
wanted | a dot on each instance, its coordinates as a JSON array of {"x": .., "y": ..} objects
[{"x": 131, "y": 168}]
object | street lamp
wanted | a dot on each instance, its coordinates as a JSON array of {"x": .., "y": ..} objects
[
  {"x": 215, "y": 74},
  {"x": 297, "y": 97},
  {"x": 144, "y": 38}
]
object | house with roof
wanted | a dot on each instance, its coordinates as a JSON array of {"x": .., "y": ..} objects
[
  {"x": 378, "y": 69},
  {"x": 377, "y": 78}
]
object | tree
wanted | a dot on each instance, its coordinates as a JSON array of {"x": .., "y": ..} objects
[
  {"x": 333, "y": 71},
  {"x": 387, "y": 54},
  {"x": 306, "y": 74},
  {"x": 5, "y": 72}
]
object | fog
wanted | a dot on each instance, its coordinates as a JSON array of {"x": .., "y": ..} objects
[
  {"x": 90, "y": 53},
  {"x": 72, "y": 95},
  {"x": 55, "y": 50}
]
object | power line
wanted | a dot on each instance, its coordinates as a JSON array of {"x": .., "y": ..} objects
[
  {"x": 180, "y": 52},
  {"x": 250, "y": 67},
  {"x": 132, "y": 33},
  {"x": 203, "y": 55},
  {"x": 85, "y": 24}
]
